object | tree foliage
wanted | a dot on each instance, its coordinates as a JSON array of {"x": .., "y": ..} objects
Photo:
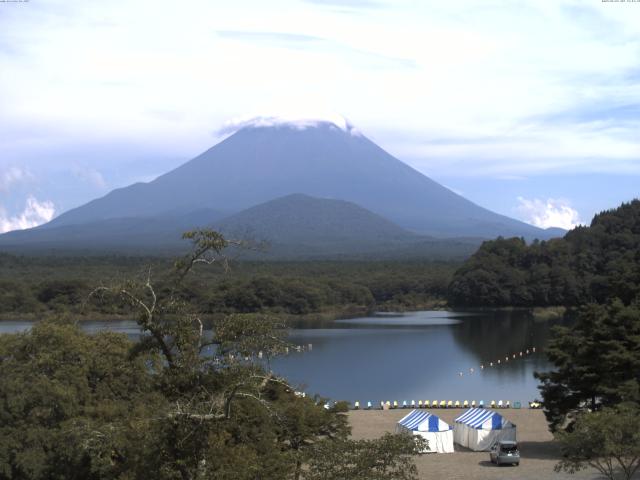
[
  {"x": 181, "y": 403},
  {"x": 608, "y": 441},
  {"x": 71, "y": 405},
  {"x": 597, "y": 362},
  {"x": 388, "y": 458},
  {"x": 46, "y": 286},
  {"x": 590, "y": 264}
]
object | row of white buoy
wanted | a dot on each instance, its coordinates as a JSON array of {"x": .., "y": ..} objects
[
  {"x": 297, "y": 348},
  {"x": 388, "y": 405},
  {"x": 500, "y": 361}
]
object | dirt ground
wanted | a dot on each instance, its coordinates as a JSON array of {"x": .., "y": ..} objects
[{"x": 539, "y": 454}]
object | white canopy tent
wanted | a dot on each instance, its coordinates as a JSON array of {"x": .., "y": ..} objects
[
  {"x": 478, "y": 429},
  {"x": 439, "y": 434}
]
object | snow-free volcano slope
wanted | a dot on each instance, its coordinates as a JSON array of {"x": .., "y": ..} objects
[{"x": 264, "y": 161}]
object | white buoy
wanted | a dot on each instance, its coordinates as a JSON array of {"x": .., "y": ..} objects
[
  {"x": 260, "y": 354},
  {"x": 533, "y": 349}
]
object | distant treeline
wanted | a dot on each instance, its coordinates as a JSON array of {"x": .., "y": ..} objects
[
  {"x": 42, "y": 285},
  {"x": 590, "y": 264}
]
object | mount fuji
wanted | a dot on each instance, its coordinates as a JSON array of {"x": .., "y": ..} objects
[{"x": 265, "y": 159}]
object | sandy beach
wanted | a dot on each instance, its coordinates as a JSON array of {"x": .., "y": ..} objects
[{"x": 539, "y": 454}]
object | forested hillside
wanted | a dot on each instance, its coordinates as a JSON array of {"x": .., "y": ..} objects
[
  {"x": 590, "y": 264},
  {"x": 40, "y": 286}
]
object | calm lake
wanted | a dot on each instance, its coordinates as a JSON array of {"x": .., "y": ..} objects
[{"x": 411, "y": 356}]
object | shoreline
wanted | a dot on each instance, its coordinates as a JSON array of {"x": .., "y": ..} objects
[{"x": 348, "y": 312}]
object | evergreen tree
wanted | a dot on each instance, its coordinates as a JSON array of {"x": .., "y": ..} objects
[{"x": 597, "y": 362}]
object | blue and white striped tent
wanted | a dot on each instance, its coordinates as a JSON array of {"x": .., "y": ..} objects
[
  {"x": 478, "y": 429},
  {"x": 439, "y": 434}
]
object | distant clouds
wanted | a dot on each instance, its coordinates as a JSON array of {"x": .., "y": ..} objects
[
  {"x": 91, "y": 176},
  {"x": 477, "y": 89},
  {"x": 347, "y": 3},
  {"x": 598, "y": 114},
  {"x": 287, "y": 39},
  {"x": 360, "y": 56},
  {"x": 548, "y": 213},
  {"x": 12, "y": 175},
  {"x": 15, "y": 214},
  {"x": 35, "y": 213}
]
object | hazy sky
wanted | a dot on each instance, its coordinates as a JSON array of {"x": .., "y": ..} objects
[{"x": 529, "y": 108}]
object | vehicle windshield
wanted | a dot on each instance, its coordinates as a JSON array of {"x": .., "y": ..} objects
[{"x": 509, "y": 448}]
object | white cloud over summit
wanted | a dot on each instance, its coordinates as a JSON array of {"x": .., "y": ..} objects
[
  {"x": 297, "y": 121},
  {"x": 548, "y": 213}
]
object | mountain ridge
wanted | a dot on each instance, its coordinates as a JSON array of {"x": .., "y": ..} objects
[
  {"x": 295, "y": 226},
  {"x": 257, "y": 164}
]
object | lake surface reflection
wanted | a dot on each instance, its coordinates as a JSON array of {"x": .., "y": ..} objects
[
  {"x": 420, "y": 355},
  {"x": 411, "y": 356}
]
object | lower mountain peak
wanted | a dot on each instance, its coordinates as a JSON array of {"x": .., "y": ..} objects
[{"x": 298, "y": 217}]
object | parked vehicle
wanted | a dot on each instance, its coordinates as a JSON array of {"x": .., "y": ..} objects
[{"x": 505, "y": 453}]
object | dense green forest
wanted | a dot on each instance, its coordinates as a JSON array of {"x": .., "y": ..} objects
[
  {"x": 179, "y": 404},
  {"x": 37, "y": 286},
  {"x": 590, "y": 264},
  {"x": 591, "y": 395}
]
